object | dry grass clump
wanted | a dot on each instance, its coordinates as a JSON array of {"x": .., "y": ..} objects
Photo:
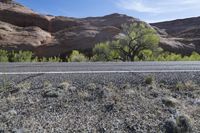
[
  {"x": 186, "y": 86},
  {"x": 64, "y": 85},
  {"x": 23, "y": 86}
]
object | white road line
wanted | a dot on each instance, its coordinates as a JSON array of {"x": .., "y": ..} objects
[{"x": 96, "y": 72}]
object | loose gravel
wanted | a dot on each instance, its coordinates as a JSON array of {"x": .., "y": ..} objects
[{"x": 102, "y": 103}]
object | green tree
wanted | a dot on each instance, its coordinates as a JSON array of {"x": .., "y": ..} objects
[
  {"x": 76, "y": 56},
  {"x": 136, "y": 38}
]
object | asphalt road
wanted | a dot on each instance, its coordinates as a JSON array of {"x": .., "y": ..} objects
[
  {"x": 81, "y": 74},
  {"x": 119, "y": 67}
]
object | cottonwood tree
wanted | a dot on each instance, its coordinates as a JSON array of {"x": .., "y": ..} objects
[{"x": 136, "y": 38}]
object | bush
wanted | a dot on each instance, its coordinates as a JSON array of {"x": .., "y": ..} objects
[
  {"x": 181, "y": 124},
  {"x": 103, "y": 52},
  {"x": 21, "y": 56},
  {"x": 4, "y": 56},
  {"x": 76, "y": 56},
  {"x": 54, "y": 59},
  {"x": 149, "y": 80}
]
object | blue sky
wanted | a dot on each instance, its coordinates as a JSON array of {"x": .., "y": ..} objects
[{"x": 147, "y": 10}]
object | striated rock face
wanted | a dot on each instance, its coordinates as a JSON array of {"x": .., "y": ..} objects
[
  {"x": 45, "y": 35},
  {"x": 21, "y": 16},
  {"x": 181, "y": 36},
  {"x": 23, "y": 29},
  {"x": 22, "y": 38}
]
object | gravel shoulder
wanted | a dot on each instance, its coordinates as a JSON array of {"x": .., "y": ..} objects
[{"x": 121, "y": 102}]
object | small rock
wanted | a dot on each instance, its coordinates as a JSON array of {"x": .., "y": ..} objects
[
  {"x": 109, "y": 107},
  {"x": 18, "y": 130},
  {"x": 13, "y": 112},
  {"x": 14, "y": 90},
  {"x": 2, "y": 131},
  {"x": 101, "y": 130},
  {"x": 52, "y": 93},
  {"x": 72, "y": 88},
  {"x": 154, "y": 94},
  {"x": 125, "y": 86},
  {"x": 172, "y": 110}
]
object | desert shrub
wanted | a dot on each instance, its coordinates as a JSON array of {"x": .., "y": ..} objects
[
  {"x": 149, "y": 80},
  {"x": 54, "y": 59},
  {"x": 103, "y": 52},
  {"x": 181, "y": 124},
  {"x": 21, "y": 56},
  {"x": 166, "y": 56},
  {"x": 193, "y": 57},
  {"x": 76, "y": 56},
  {"x": 188, "y": 85},
  {"x": 4, "y": 56}
]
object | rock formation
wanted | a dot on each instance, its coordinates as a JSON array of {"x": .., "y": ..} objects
[
  {"x": 45, "y": 35},
  {"x": 181, "y": 36}
]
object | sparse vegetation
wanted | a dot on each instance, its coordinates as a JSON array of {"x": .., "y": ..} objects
[
  {"x": 149, "y": 80},
  {"x": 137, "y": 43},
  {"x": 76, "y": 56},
  {"x": 24, "y": 56},
  {"x": 21, "y": 56},
  {"x": 135, "y": 107},
  {"x": 23, "y": 86},
  {"x": 188, "y": 85},
  {"x": 103, "y": 52},
  {"x": 4, "y": 56},
  {"x": 4, "y": 83}
]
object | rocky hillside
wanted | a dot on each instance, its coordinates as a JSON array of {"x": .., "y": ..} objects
[
  {"x": 182, "y": 36},
  {"x": 21, "y": 28},
  {"x": 45, "y": 35}
]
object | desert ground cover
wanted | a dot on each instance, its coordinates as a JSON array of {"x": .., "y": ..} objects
[{"x": 143, "y": 106}]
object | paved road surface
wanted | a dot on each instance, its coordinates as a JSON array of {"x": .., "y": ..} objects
[
  {"x": 120, "y": 67},
  {"x": 102, "y": 73}
]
